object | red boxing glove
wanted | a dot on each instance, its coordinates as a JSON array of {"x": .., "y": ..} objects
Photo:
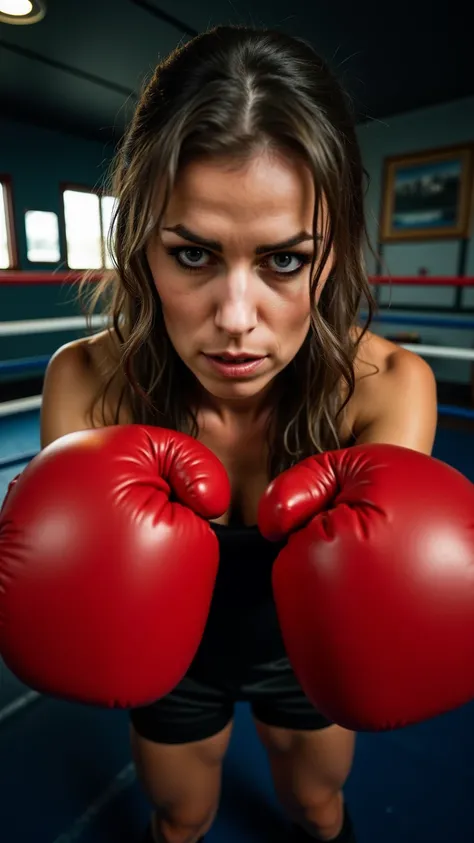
[
  {"x": 108, "y": 564},
  {"x": 375, "y": 586}
]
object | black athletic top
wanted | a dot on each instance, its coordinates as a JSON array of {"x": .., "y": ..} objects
[{"x": 242, "y": 626}]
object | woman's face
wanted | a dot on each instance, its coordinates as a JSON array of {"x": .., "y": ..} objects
[{"x": 231, "y": 264}]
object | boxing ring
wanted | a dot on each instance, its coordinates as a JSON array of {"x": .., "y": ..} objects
[
  {"x": 17, "y": 453},
  {"x": 72, "y": 763}
]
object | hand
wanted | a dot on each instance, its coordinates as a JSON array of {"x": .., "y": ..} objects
[
  {"x": 108, "y": 563},
  {"x": 375, "y": 586}
]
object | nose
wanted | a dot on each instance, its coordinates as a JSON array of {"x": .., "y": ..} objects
[{"x": 236, "y": 311}]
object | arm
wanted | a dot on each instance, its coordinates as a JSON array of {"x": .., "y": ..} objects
[
  {"x": 69, "y": 388},
  {"x": 399, "y": 406},
  {"x": 67, "y": 395},
  {"x": 97, "y": 544},
  {"x": 375, "y": 578}
]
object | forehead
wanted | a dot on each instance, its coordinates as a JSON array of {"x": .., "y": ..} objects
[{"x": 268, "y": 189}]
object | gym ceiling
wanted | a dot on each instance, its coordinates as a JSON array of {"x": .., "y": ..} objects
[{"x": 81, "y": 67}]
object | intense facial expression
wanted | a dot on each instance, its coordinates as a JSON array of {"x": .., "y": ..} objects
[{"x": 231, "y": 264}]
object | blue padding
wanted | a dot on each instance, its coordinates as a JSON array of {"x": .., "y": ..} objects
[
  {"x": 422, "y": 321},
  {"x": 452, "y": 410},
  {"x": 24, "y": 364},
  {"x": 16, "y": 459}
]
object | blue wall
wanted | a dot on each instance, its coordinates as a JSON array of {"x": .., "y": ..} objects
[
  {"x": 38, "y": 160},
  {"x": 443, "y": 125}
]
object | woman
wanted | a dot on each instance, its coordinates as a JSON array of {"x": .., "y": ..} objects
[{"x": 239, "y": 241}]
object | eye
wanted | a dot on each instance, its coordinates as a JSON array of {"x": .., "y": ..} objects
[
  {"x": 288, "y": 263},
  {"x": 190, "y": 257}
]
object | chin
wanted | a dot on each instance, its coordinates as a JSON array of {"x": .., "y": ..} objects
[{"x": 232, "y": 389}]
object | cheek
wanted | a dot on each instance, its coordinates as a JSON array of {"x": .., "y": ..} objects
[
  {"x": 178, "y": 302},
  {"x": 182, "y": 321},
  {"x": 291, "y": 316},
  {"x": 174, "y": 290}
]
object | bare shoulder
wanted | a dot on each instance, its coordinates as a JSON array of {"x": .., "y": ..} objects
[
  {"x": 76, "y": 375},
  {"x": 395, "y": 398},
  {"x": 380, "y": 361}
]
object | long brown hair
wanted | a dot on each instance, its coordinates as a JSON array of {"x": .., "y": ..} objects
[{"x": 232, "y": 92}]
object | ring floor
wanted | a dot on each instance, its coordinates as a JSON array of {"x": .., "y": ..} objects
[{"x": 66, "y": 773}]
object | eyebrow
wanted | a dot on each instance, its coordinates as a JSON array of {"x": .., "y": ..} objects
[{"x": 215, "y": 246}]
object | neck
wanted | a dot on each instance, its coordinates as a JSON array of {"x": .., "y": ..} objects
[{"x": 240, "y": 412}]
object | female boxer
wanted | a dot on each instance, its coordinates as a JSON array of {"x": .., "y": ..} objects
[{"x": 239, "y": 246}]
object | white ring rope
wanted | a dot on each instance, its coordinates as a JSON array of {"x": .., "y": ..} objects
[
  {"x": 440, "y": 351},
  {"x": 20, "y": 405},
  {"x": 45, "y": 326}
]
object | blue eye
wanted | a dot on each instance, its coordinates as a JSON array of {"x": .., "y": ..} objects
[
  {"x": 195, "y": 258},
  {"x": 190, "y": 257},
  {"x": 285, "y": 262}
]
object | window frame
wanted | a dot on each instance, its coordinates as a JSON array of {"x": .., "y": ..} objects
[
  {"x": 12, "y": 242},
  {"x": 60, "y": 241},
  {"x": 81, "y": 188}
]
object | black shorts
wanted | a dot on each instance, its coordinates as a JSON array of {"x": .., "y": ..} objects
[
  {"x": 241, "y": 656},
  {"x": 199, "y": 707}
]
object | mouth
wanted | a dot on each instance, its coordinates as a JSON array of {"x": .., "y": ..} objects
[
  {"x": 236, "y": 359},
  {"x": 235, "y": 365}
]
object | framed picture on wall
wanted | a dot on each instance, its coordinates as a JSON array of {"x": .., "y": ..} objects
[{"x": 428, "y": 195}]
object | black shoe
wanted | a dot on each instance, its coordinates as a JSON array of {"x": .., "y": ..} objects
[{"x": 149, "y": 837}]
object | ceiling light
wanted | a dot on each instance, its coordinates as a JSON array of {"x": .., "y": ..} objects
[{"x": 21, "y": 12}]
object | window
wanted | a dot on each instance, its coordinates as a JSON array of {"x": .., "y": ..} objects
[
  {"x": 107, "y": 204},
  {"x": 87, "y": 217},
  {"x": 42, "y": 237},
  {"x": 8, "y": 258},
  {"x": 4, "y": 250}
]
